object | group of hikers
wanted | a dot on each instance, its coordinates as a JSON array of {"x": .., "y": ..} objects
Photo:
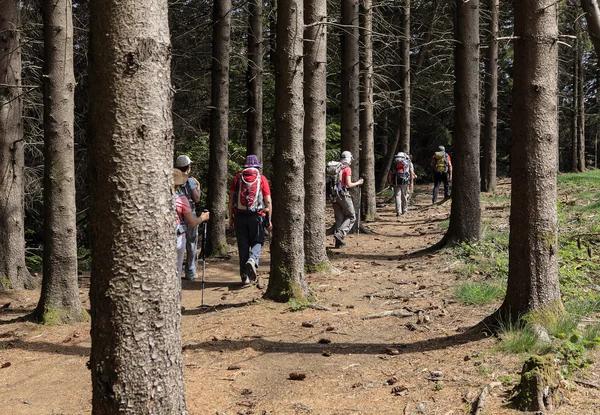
[{"x": 250, "y": 205}]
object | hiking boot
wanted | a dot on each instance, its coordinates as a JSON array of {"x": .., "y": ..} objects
[
  {"x": 191, "y": 278},
  {"x": 251, "y": 269},
  {"x": 339, "y": 243},
  {"x": 245, "y": 280}
]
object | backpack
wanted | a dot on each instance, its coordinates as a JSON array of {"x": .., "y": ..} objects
[
  {"x": 248, "y": 194},
  {"x": 441, "y": 162},
  {"x": 333, "y": 178},
  {"x": 401, "y": 169}
]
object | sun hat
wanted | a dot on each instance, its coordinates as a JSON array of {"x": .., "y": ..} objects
[
  {"x": 252, "y": 161},
  {"x": 346, "y": 157},
  {"x": 441, "y": 148},
  {"x": 179, "y": 177},
  {"x": 401, "y": 155},
  {"x": 183, "y": 161}
]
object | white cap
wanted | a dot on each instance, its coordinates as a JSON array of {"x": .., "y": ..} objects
[
  {"x": 346, "y": 157},
  {"x": 401, "y": 155},
  {"x": 183, "y": 161}
]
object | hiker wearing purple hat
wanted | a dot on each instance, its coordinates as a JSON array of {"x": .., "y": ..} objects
[{"x": 250, "y": 209}]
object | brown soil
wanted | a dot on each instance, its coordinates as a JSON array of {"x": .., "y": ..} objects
[{"x": 240, "y": 351}]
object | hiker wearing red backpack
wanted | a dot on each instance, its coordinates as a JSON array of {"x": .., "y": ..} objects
[
  {"x": 343, "y": 207},
  {"x": 442, "y": 172},
  {"x": 250, "y": 209},
  {"x": 401, "y": 178}
]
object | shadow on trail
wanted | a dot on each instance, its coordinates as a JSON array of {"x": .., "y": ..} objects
[
  {"x": 46, "y": 347},
  {"x": 197, "y": 285},
  {"x": 207, "y": 309},
  {"x": 268, "y": 346}
]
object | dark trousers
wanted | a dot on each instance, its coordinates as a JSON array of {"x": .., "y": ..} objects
[
  {"x": 250, "y": 235},
  {"x": 437, "y": 179}
]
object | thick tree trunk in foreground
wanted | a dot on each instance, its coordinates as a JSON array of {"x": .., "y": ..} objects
[
  {"x": 315, "y": 126},
  {"x": 219, "y": 129},
  {"x": 254, "y": 115},
  {"x": 488, "y": 171},
  {"x": 59, "y": 301},
  {"x": 136, "y": 360},
  {"x": 592, "y": 16},
  {"x": 465, "y": 213},
  {"x": 13, "y": 272},
  {"x": 367, "y": 123},
  {"x": 533, "y": 245},
  {"x": 287, "y": 280}
]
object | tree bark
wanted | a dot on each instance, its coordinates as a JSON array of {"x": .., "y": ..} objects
[
  {"x": 533, "y": 244},
  {"x": 254, "y": 115},
  {"x": 287, "y": 279},
  {"x": 59, "y": 301},
  {"x": 575, "y": 109},
  {"x": 315, "y": 128},
  {"x": 488, "y": 177},
  {"x": 592, "y": 15},
  {"x": 465, "y": 214},
  {"x": 219, "y": 129},
  {"x": 13, "y": 272},
  {"x": 136, "y": 359},
  {"x": 580, "y": 100},
  {"x": 350, "y": 130},
  {"x": 367, "y": 123}
]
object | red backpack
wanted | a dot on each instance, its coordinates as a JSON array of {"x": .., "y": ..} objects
[
  {"x": 248, "y": 194},
  {"x": 401, "y": 168}
]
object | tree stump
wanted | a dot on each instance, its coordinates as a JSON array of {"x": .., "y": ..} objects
[{"x": 539, "y": 386}]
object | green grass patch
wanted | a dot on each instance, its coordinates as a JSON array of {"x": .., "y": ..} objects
[{"x": 479, "y": 292}]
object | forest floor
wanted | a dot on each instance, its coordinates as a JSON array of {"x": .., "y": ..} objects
[{"x": 240, "y": 351}]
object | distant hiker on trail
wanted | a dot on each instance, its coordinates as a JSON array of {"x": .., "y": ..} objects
[
  {"x": 442, "y": 172},
  {"x": 251, "y": 208},
  {"x": 339, "y": 183},
  {"x": 191, "y": 189},
  {"x": 401, "y": 177},
  {"x": 185, "y": 217}
]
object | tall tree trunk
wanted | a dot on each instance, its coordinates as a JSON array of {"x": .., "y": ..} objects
[
  {"x": 488, "y": 177},
  {"x": 315, "y": 128},
  {"x": 350, "y": 118},
  {"x": 401, "y": 138},
  {"x": 219, "y": 129},
  {"x": 575, "y": 109},
  {"x": 405, "y": 80},
  {"x": 287, "y": 279},
  {"x": 13, "y": 272},
  {"x": 580, "y": 100},
  {"x": 136, "y": 359},
  {"x": 592, "y": 15},
  {"x": 367, "y": 123},
  {"x": 255, "y": 78},
  {"x": 533, "y": 245},
  {"x": 465, "y": 214},
  {"x": 59, "y": 301}
]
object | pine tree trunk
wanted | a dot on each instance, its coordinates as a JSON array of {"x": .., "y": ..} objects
[
  {"x": 465, "y": 213},
  {"x": 219, "y": 129},
  {"x": 287, "y": 279},
  {"x": 533, "y": 245},
  {"x": 405, "y": 80},
  {"x": 580, "y": 100},
  {"x": 13, "y": 272},
  {"x": 315, "y": 128},
  {"x": 575, "y": 109},
  {"x": 488, "y": 178},
  {"x": 592, "y": 16},
  {"x": 367, "y": 123},
  {"x": 136, "y": 359},
  {"x": 254, "y": 114},
  {"x": 59, "y": 301}
]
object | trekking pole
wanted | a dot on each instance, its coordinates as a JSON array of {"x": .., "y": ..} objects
[
  {"x": 203, "y": 258},
  {"x": 359, "y": 205}
]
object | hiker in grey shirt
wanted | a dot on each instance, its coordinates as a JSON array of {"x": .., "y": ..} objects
[{"x": 343, "y": 207}]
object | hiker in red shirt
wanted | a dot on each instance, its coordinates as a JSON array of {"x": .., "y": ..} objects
[
  {"x": 343, "y": 207},
  {"x": 250, "y": 208}
]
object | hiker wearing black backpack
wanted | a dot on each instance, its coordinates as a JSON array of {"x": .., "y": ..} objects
[
  {"x": 250, "y": 209},
  {"x": 401, "y": 178},
  {"x": 339, "y": 183},
  {"x": 191, "y": 190},
  {"x": 442, "y": 172}
]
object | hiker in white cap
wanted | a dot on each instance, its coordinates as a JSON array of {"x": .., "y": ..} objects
[
  {"x": 191, "y": 189},
  {"x": 343, "y": 207}
]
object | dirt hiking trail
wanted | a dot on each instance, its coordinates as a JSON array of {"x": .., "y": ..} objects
[{"x": 239, "y": 351}]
